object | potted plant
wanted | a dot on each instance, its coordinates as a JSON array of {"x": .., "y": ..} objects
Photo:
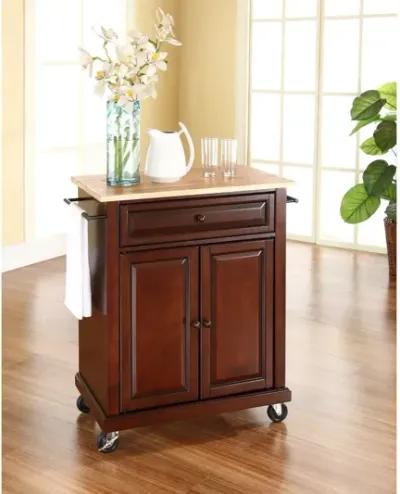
[{"x": 378, "y": 108}]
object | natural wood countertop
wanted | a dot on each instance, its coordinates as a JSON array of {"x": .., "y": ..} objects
[{"x": 247, "y": 180}]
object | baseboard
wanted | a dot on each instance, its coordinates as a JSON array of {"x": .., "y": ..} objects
[{"x": 20, "y": 255}]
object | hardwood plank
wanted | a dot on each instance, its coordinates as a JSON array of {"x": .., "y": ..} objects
[{"x": 339, "y": 436}]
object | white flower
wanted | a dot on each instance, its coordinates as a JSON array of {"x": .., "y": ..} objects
[
  {"x": 129, "y": 69},
  {"x": 137, "y": 37},
  {"x": 85, "y": 59},
  {"x": 164, "y": 19},
  {"x": 160, "y": 55},
  {"x": 142, "y": 58},
  {"x": 150, "y": 69},
  {"x": 100, "y": 88},
  {"x": 139, "y": 88},
  {"x": 108, "y": 33},
  {"x": 159, "y": 60},
  {"x": 125, "y": 52},
  {"x": 132, "y": 72},
  {"x": 149, "y": 47},
  {"x": 173, "y": 41},
  {"x": 162, "y": 65}
]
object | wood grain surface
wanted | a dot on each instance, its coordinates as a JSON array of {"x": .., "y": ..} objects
[
  {"x": 339, "y": 436},
  {"x": 193, "y": 184}
]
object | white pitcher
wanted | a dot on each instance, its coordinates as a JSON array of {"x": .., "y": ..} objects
[{"x": 165, "y": 160}]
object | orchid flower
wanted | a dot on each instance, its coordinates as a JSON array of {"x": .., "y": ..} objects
[{"x": 129, "y": 69}]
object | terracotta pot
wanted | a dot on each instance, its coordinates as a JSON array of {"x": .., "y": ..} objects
[{"x": 390, "y": 230}]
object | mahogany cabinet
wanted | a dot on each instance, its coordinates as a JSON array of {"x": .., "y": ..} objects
[{"x": 188, "y": 310}]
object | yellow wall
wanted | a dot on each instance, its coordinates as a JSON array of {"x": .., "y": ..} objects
[
  {"x": 13, "y": 121},
  {"x": 161, "y": 113},
  {"x": 208, "y": 68}
]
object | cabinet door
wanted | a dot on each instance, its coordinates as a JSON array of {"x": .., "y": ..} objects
[
  {"x": 237, "y": 317},
  {"x": 160, "y": 345}
]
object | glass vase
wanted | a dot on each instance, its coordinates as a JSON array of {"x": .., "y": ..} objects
[{"x": 123, "y": 144}]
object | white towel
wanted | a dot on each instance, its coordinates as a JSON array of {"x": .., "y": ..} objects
[{"x": 78, "y": 296}]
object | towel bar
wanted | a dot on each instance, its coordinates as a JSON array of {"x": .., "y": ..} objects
[{"x": 85, "y": 215}]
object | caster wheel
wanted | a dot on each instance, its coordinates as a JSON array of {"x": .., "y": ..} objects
[
  {"x": 107, "y": 442},
  {"x": 81, "y": 405},
  {"x": 277, "y": 413}
]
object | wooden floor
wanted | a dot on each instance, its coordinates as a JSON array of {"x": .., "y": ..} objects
[{"x": 339, "y": 436}]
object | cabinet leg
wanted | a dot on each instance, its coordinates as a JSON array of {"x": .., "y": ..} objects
[{"x": 107, "y": 442}]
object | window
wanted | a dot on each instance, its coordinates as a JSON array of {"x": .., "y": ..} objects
[
  {"x": 309, "y": 59},
  {"x": 65, "y": 121}
]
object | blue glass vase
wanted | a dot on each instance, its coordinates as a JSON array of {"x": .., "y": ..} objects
[{"x": 123, "y": 144}]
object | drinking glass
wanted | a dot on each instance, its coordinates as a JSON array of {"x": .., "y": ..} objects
[
  {"x": 209, "y": 156},
  {"x": 229, "y": 157}
]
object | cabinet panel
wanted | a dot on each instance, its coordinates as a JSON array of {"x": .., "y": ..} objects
[
  {"x": 159, "y": 297},
  {"x": 237, "y": 315}
]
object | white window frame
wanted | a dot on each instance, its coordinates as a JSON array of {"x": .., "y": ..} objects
[
  {"x": 30, "y": 149},
  {"x": 317, "y": 166}
]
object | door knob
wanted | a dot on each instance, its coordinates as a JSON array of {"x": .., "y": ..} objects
[
  {"x": 196, "y": 324},
  {"x": 206, "y": 323},
  {"x": 200, "y": 218}
]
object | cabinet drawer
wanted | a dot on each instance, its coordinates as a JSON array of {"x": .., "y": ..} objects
[{"x": 196, "y": 218}]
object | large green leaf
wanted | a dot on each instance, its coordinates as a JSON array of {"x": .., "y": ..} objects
[
  {"x": 357, "y": 205},
  {"x": 369, "y": 147},
  {"x": 378, "y": 176},
  {"x": 385, "y": 135},
  {"x": 390, "y": 194},
  {"x": 388, "y": 92},
  {"x": 363, "y": 123},
  {"x": 367, "y": 105}
]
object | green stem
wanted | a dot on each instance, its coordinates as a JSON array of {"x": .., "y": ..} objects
[
  {"x": 106, "y": 51},
  {"x": 118, "y": 148}
]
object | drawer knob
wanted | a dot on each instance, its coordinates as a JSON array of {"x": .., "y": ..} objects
[
  {"x": 196, "y": 324},
  {"x": 206, "y": 323},
  {"x": 200, "y": 218}
]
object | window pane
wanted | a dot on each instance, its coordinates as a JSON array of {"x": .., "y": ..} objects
[
  {"x": 94, "y": 159},
  {"x": 300, "y": 39},
  {"x": 298, "y": 125},
  {"x": 341, "y": 56},
  {"x": 264, "y": 9},
  {"x": 57, "y": 32},
  {"x": 342, "y": 7},
  {"x": 366, "y": 159},
  {"x": 57, "y": 106},
  {"x": 98, "y": 13},
  {"x": 381, "y": 6},
  {"x": 266, "y": 55},
  {"x": 272, "y": 168},
  {"x": 301, "y": 8},
  {"x": 300, "y": 215},
  {"x": 50, "y": 211},
  {"x": 338, "y": 147},
  {"x": 94, "y": 113},
  {"x": 372, "y": 231},
  {"x": 265, "y": 126},
  {"x": 378, "y": 66},
  {"x": 333, "y": 186}
]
